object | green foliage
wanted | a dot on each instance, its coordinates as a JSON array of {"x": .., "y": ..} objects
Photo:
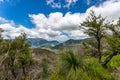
[
  {"x": 68, "y": 66},
  {"x": 113, "y": 42},
  {"x": 114, "y": 39},
  {"x": 17, "y": 56},
  {"x": 96, "y": 71},
  {"x": 95, "y": 28},
  {"x": 70, "y": 61},
  {"x": 115, "y": 62},
  {"x": 95, "y": 25},
  {"x": 73, "y": 67}
]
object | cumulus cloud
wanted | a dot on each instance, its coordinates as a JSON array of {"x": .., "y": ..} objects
[
  {"x": 56, "y": 23},
  {"x": 3, "y": 20},
  {"x": 109, "y": 9},
  {"x": 11, "y": 30},
  {"x": 70, "y": 22},
  {"x": 59, "y": 26}
]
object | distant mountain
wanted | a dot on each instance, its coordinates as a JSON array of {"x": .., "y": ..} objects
[
  {"x": 69, "y": 43},
  {"x": 41, "y": 43}
]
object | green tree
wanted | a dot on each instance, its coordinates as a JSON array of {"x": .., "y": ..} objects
[
  {"x": 113, "y": 41},
  {"x": 96, "y": 29},
  {"x": 25, "y": 59},
  {"x": 17, "y": 56}
]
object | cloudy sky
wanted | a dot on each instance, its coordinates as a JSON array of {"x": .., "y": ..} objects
[{"x": 52, "y": 19}]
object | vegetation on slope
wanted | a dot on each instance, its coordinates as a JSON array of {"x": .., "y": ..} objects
[{"x": 96, "y": 59}]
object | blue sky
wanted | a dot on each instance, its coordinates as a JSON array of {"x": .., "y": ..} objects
[
  {"x": 43, "y": 17},
  {"x": 18, "y": 10}
]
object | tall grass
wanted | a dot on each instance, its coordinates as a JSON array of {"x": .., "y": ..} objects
[{"x": 73, "y": 67}]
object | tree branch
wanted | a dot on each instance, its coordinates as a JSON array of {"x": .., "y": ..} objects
[{"x": 109, "y": 58}]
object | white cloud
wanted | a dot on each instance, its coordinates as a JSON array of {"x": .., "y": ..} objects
[
  {"x": 59, "y": 4},
  {"x": 55, "y": 23},
  {"x": 69, "y": 23},
  {"x": 3, "y": 20},
  {"x": 109, "y": 9},
  {"x": 59, "y": 26},
  {"x": 53, "y": 4},
  {"x": 11, "y": 30},
  {"x": 70, "y": 3}
]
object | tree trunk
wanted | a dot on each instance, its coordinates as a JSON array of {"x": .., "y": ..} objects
[
  {"x": 99, "y": 50},
  {"x": 24, "y": 73},
  {"x": 109, "y": 58}
]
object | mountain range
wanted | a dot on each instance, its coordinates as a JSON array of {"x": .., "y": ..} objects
[
  {"x": 69, "y": 43},
  {"x": 43, "y": 43}
]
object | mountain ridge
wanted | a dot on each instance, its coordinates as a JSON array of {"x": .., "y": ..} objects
[
  {"x": 43, "y": 43},
  {"x": 69, "y": 43}
]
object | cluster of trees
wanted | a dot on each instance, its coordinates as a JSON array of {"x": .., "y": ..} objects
[{"x": 16, "y": 58}]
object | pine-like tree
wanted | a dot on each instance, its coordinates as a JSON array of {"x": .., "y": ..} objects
[{"x": 96, "y": 29}]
